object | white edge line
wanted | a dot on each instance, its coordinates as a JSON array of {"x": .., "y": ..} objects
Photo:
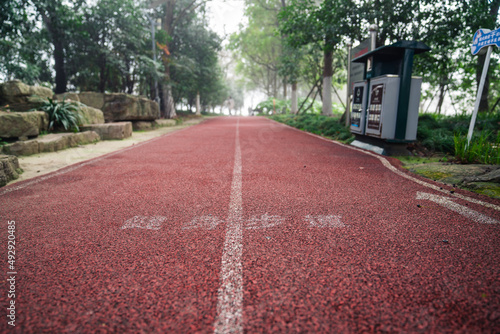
[
  {"x": 463, "y": 210},
  {"x": 393, "y": 169},
  {"x": 71, "y": 168}
]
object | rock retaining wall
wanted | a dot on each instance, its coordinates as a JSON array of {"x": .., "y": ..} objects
[
  {"x": 50, "y": 143},
  {"x": 119, "y": 130},
  {"x": 9, "y": 169},
  {"x": 21, "y": 97},
  {"x": 122, "y": 107},
  {"x": 23, "y": 124}
]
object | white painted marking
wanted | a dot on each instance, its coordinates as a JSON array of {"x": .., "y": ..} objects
[
  {"x": 265, "y": 221},
  {"x": 463, "y": 210},
  {"x": 149, "y": 223},
  {"x": 204, "y": 222},
  {"x": 393, "y": 169},
  {"x": 230, "y": 295},
  {"x": 324, "y": 221}
]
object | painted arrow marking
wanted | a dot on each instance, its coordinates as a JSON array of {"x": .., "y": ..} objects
[
  {"x": 204, "y": 222},
  {"x": 149, "y": 223},
  {"x": 211, "y": 222},
  {"x": 265, "y": 221},
  {"x": 324, "y": 221},
  {"x": 464, "y": 211}
]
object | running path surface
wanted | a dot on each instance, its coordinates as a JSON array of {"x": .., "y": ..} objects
[{"x": 246, "y": 225}]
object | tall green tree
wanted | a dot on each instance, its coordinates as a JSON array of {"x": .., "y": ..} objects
[
  {"x": 304, "y": 22},
  {"x": 60, "y": 20},
  {"x": 257, "y": 47},
  {"x": 22, "y": 44},
  {"x": 195, "y": 68},
  {"x": 111, "y": 47}
]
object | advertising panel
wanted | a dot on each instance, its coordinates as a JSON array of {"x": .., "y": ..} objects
[
  {"x": 375, "y": 108},
  {"x": 357, "y": 106}
]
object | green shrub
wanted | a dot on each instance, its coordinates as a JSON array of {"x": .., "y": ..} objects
[
  {"x": 62, "y": 114},
  {"x": 317, "y": 124},
  {"x": 440, "y": 133},
  {"x": 268, "y": 106}
]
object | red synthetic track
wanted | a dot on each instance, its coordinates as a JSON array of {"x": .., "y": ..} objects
[{"x": 333, "y": 241}]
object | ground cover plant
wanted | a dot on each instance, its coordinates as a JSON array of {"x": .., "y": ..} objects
[
  {"x": 326, "y": 126},
  {"x": 436, "y": 134}
]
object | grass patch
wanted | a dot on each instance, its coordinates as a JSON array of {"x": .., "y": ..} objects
[
  {"x": 486, "y": 188},
  {"x": 434, "y": 175},
  {"x": 416, "y": 160}
]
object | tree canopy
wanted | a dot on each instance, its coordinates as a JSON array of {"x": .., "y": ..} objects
[{"x": 105, "y": 46}]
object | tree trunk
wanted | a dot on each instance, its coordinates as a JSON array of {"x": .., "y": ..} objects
[
  {"x": 284, "y": 88},
  {"x": 168, "y": 109},
  {"x": 198, "y": 109},
  {"x": 168, "y": 105},
  {"x": 57, "y": 41},
  {"x": 59, "y": 65},
  {"x": 294, "y": 98},
  {"x": 327, "y": 83},
  {"x": 442, "y": 91},
  {"x": 102, "y": 75}
]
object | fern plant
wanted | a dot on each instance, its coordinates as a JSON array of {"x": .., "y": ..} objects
[{"x": 62, "y": 114}]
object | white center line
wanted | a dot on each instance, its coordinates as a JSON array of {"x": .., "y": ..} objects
[{"x": 230, "y": 297}]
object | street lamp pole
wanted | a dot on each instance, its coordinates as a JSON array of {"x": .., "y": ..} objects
[
  {"x": 153, "y": 45},
  {"x": 348, "y": 94}
]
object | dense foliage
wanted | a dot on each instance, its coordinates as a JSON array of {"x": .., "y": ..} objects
[
  {"x": 442, "y": 135},
  {"x": 106, "y": 46},
  {"x": 318, "y": 124},
  {"x": 302, "y": 41}
]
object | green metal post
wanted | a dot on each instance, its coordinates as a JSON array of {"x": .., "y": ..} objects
[{"x": 404, "y": 94}]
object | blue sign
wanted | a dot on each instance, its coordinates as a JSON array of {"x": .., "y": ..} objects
[{"x": 485, "y": 37}]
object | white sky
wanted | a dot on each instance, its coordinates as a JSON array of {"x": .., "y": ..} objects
[{"x": 225, "y": 16}]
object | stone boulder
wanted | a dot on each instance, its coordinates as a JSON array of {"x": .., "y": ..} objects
[
  {"x": 61, "y": 141},
  {"x": 119, "y": 130},
  {"x": 489, "y": 176},
  {"x": 51, "y": 143},
  {"x": 68, "y": 97},
  {"x": 9, "y": 169},
  {"x": 165, "y": 122},
  {"x": 23, "y": 124},
  {"x": 21, "y": 97},
  {"x": 143, "y": 126},
  {"x": 92, "y": 99},
  {"x": 122, "y": 107},
  {"x": 88, "y": 114}
]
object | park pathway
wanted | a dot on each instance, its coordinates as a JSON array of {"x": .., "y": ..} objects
[{"x": 246, "y": 225}]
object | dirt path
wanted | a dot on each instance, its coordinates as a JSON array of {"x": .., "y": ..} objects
[{"x": 44, "y": 163}]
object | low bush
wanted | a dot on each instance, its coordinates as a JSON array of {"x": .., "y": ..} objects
[
  {"x": 445, "y": 134},
  {"x": 318, "y": 124},
  {"x": 62, "y": 114}
]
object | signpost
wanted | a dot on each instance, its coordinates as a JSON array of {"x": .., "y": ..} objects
[{"x": 482, "y": 38}]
